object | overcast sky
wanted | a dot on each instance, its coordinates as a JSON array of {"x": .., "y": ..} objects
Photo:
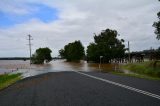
[{"x": 54, "y": 23}]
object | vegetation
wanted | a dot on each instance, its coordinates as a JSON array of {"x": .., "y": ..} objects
[
  {"x": 157, "y": 32},
  {"x": 145, "y": 68},
  {"x": 8, "y": 79},
  {"x": 41, "y": 55},
  {"x": 157, "y": 26},
  {"x": 106, "y": 44},
  {"x": 61, "y": 53},
  {"x": 73, "y": 51},
  {"x": 136, "y": 75}
]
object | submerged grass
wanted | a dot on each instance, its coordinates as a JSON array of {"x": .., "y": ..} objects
[{"x": 8, "y": 79}]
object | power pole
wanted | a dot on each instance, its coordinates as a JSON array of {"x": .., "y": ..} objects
[
  {"x": 30, "y": 49},
  {"x": 129, "y": 56}
]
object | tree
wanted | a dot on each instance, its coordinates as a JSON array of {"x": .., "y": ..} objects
[
  {"x": 157, "y": 32},
  {"x": 61, "y": 53},
  {"x": 92, "y": 52},
  {"x": 41, "y": 55},
  {"x": 107, "y": 45},
  {"x": 157, "y": 26},
  {"x": 73, "y": 51}
]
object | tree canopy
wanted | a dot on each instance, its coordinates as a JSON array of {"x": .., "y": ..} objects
[
  {"x": 41, "y": 55},
  {"x": 106, "y": 44},
  {"x": 73, "y": 51},
  {"x": 157, "y": 26}
]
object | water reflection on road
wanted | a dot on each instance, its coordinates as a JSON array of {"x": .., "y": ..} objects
[{"x": 58, "y": 66}]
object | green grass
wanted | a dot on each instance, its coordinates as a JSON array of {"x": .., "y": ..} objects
[
  {"x": 136, "y": 75},
  {"x": 8, "y": 79},
  {"x": 145, "y": 68}
]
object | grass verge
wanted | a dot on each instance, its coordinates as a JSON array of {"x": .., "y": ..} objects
[
  {"x": 136, "y": 75},
  {"x": 8, "y": 79},
  {"x": 143, "y": 70}
]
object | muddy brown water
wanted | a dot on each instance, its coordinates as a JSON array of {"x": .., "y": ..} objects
[{"x": 53, "y": 66}]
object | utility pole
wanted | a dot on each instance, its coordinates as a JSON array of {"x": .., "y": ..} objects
[
  {"x": 129, "y": 56},
  {"x": 30, "y": 49}
]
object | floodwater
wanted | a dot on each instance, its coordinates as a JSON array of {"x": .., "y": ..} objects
[{"x": 23, "y": 67}]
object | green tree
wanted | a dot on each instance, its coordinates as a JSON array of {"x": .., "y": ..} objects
[
  {"x": 41, "y": 55},
  {"x": 157, "y": 26},
  {"x": 92, "y": 52},
  {"x": 157, "y": 32},
  {"x": 107, "y": 45},
  {"x": 73, "y": 51},
  {"x": 61, "y": 53}
]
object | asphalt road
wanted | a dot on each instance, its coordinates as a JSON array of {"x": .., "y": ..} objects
[{"x": 74, "y": 89}]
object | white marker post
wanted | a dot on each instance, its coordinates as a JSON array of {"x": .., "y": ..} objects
[{"x": 100, "y": 62}]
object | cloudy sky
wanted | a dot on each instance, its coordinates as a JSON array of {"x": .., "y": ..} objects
[{"x": 54, "y": 23}]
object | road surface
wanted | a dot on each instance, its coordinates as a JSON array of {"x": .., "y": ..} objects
[{"x": 81, "y": 89}]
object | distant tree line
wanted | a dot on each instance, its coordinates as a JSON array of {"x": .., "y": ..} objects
[{"x": 14, "y": 58}]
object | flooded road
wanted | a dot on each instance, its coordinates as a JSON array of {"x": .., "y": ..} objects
[
  {"x": 54, "y": 66},
  {"x": 58, "y": 66}
]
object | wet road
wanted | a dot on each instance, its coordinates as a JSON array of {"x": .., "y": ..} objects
[{"x": 74, "y": 89}]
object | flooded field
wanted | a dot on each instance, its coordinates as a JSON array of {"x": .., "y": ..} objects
[{"x": 53, "y": 66}]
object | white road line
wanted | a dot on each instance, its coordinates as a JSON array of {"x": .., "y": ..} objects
[{"x": 121, "y": 85}]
